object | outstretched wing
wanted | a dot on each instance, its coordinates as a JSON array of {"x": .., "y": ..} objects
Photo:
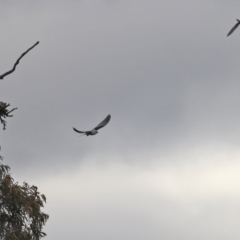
[
  {"x": 78, "y": 130},
  {"x": 234, "y": 28},
  {"x": 103, "y": 123}
]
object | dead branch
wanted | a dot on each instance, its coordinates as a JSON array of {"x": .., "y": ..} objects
[
  {"x": 4, "y": 112},
  {"x": 17, "y": 62}
]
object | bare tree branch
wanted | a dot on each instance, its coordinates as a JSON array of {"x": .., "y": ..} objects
[{"x": 17, "y": 62}]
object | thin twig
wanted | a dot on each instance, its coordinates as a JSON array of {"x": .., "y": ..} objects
[
  {"x": 11, "y": 111},
  {"x": 17, "y": 62}
]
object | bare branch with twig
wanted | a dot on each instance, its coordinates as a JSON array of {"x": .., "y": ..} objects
[{"x": 17, "y": 62}]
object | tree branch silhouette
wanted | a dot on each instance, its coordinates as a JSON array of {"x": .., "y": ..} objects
[
  {"x": 17, "y": 62},
  {"x": 4, "y": 112}
]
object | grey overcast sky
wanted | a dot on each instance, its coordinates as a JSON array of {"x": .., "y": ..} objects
[{"x": 167, "y": 166}]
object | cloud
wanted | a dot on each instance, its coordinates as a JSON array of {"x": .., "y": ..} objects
[
  {"x": 166, "y": 164},
  {"x": 117, "y": 200}
]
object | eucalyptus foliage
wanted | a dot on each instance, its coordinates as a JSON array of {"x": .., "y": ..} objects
[{"x": 20, "y": 209}]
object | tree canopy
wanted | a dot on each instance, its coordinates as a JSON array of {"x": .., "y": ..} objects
[
  {"x": 21, "y": 217},
  {"x": 20, "y": 209}
]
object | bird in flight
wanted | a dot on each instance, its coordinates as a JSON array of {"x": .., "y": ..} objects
[
  {"x": 94, "y": 130},
  {"x": 234, "y": 27}
]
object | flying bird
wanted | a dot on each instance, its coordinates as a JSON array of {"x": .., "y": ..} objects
[
  {"x": 94, "y": 130},
  {"x": 234, "y": 27}
]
